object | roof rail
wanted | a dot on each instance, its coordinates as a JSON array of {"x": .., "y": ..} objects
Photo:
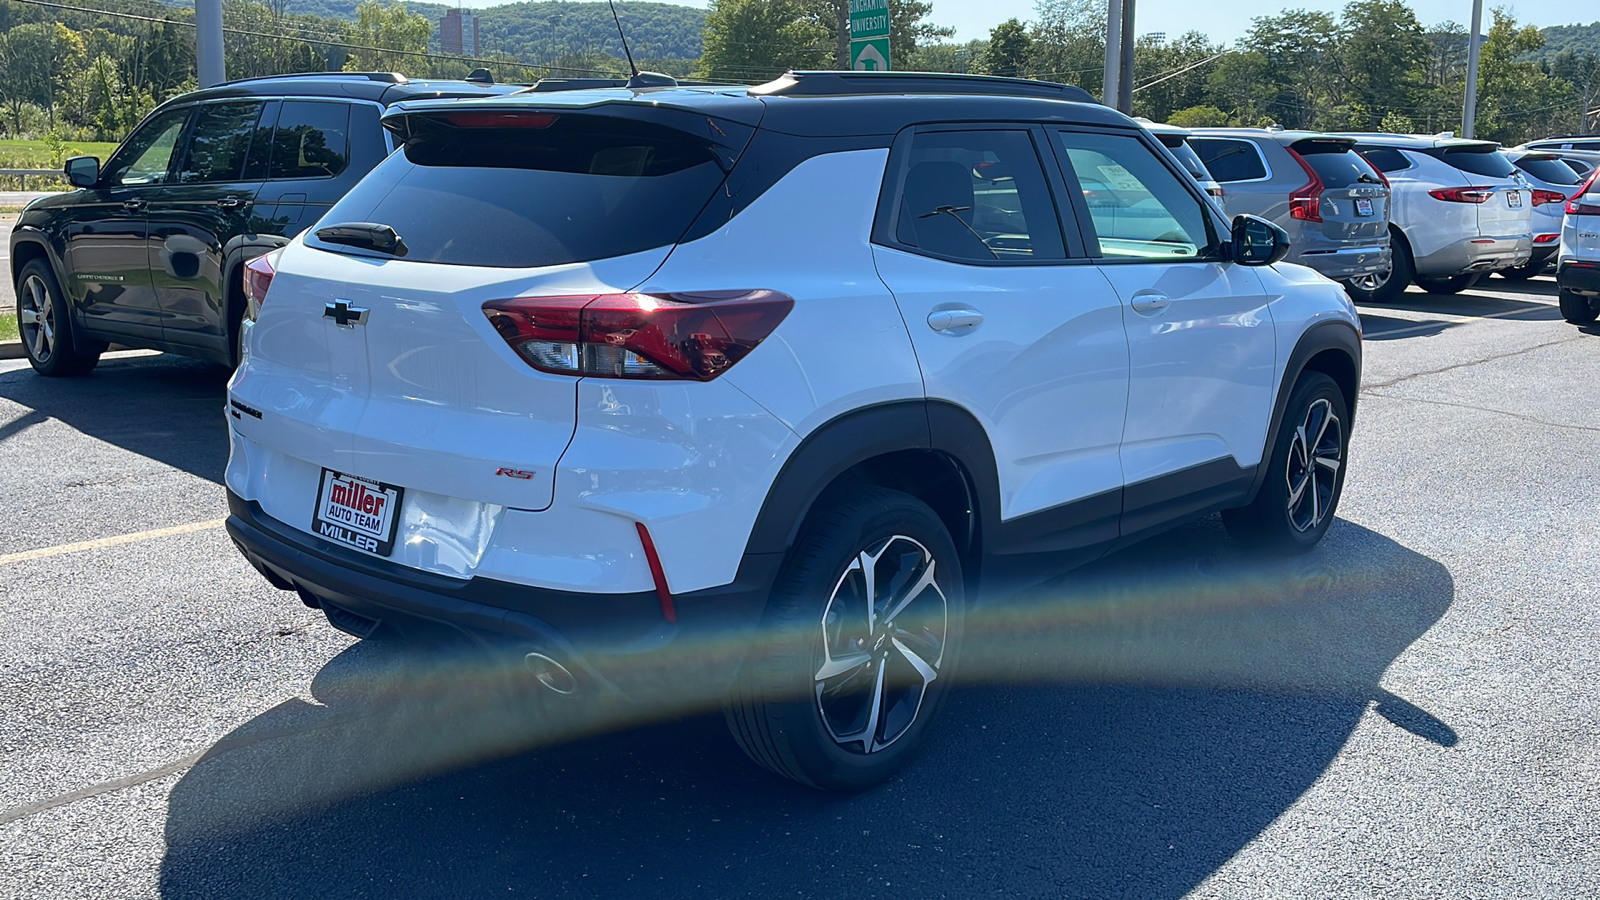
[
  {"x": 825, "y": 83},
  {"x": 381, "y": 77}
]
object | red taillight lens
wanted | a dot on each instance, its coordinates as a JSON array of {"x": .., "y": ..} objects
[
  {"x": 1463, "y": 195},
  {"x": 1579, "y": 206},
  {"x": 1546, "y": 238},
  {"x": 1540, "y": 198},
  {"x": 652, "y": 336},
  {"x": 258, "y": 274},
  {"x": 1216, "y": 192},
  {"x": 1305, "y": 203}
]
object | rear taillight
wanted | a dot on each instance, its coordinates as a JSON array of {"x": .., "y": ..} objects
[
  {"x": 1540, "y": 198},
  {"x": 1546, "y": 238},
  {"x": 1583, "y": 203},
  {"x": 258, "y": 274},
  {"x": 1305, "y": 203},
  {"x": 654, "y": 336},
  {"x": 1216, "y": 192},
  {"x": 1463, "y": 195}
]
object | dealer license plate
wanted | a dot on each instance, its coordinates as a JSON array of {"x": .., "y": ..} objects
[
  {"x": 1514, "y": 199},
  {"x": 357, "y": 512},
  {"x": 1363, "y": 207}
]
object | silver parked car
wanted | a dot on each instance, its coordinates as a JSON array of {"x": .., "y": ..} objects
[
  {"x": 1176, "y": 140},
  {"x": 1332, "y": 202},
  {"x": 1553, "y": 183}
]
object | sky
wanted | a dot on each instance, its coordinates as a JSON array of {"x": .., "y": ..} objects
[{"x": 974, "y": 18}]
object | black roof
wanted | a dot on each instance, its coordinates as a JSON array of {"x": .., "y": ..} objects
[
  {"x": 841, "y": 104},
  {"x": 378, "y": 87}
]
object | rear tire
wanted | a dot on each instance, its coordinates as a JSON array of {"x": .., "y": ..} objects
[
  {"x": 1521, "y": 273},
  {"x": 1578, "y": 309},
  {"x": 833, "y": 696},
  {"x": 45, "y": 325},
  {"x": 1305, "y": 472},
  {"x": 1455, "y": 284},
  {"x": 1387, "y": 287}
]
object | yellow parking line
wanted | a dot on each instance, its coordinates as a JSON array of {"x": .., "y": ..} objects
[{"x": 7, "y": 559}]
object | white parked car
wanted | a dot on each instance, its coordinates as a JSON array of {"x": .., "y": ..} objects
[
  {"x": 1578, "y": 267},
  {"x": 759, "y": 391},
  {"x": 1457, "y": 212},
  {"x": 1553, "y": 183}
]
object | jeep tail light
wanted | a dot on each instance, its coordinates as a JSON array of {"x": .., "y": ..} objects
[
  {"x": 258, "y": 274},
  {"x": 1585, "y": 203},
  {"x": 1305, "y": 202},
  {"x": 1463, "y": 194},
  {"x": 1540, "y": 198},
  {"x": 651, "y": 336}
]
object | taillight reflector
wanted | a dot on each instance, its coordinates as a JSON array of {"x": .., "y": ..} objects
[
  {"x": 1578, "y": 205},
  {"x": 695, "y": 336},
  {"x": 1462, "y": 195},
  {"x": 258, "y": 274},
  {"x": 1305, "y": 202}
]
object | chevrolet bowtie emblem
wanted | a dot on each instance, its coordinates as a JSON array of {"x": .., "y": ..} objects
[{"x": 343, "y": 313}]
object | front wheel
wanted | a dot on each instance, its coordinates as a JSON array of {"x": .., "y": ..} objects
[
  {"x": 1455, "y": 284},
  {"x": 45, "y": 325},
  {"x": 1578, "y": 309},
  {"x": 1305, "y": 472},
  {"x": 858, "y": 643}
]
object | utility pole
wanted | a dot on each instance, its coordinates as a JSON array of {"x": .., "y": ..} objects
[
  {"x": 1109, "y": 92},
  {"x": 1125, "y": 82},
  {"x": 1469, "y": 115},
  {"x": 208, "y": 42}
]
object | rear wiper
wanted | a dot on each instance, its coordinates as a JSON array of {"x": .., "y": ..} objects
[
  {"x": 1367, "y": 178},
  {"x": 367, "y": 235}
]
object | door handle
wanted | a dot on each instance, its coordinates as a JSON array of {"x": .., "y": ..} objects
[
  {"x": 231, "y": 202},
  {"x": 135, "y": 205},
  {"x": 1149, "y": 303},
  {"x": 954, "y": 321}
]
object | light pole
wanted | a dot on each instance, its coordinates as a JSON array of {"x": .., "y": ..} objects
[
  {"x": 1108, "y": 91},
  {"x": 208, "y": 42},
  {"x": 1469, "y": 115}
]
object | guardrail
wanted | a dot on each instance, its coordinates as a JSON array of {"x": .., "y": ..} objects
[{"x": 22, "y": 175}]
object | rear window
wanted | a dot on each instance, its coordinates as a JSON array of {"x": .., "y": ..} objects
[
  {"x": 1553, "y": 171},
  {"x": 1488, "y": 162},
  {"x": 465, "y": 190},
  {"x": 1230, "y": 160},
  {"x": 1386, "y": 159},
  {"x": 1189, "y": 159},
  {"x": 1335, "y": 163}
]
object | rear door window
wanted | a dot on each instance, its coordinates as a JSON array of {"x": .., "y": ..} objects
[
  {"x": 1229, "y": 159},
  {"x": 1488, "y": 162},
  {"x": 491, "y": 189},
  {"x": 219, "y": 142},
  {"x": 977, "y": 196},
  {"x": 311, "y": 140},
  {"x": 1335, "y": 163},
  {"x": 1553, "y": 171}
]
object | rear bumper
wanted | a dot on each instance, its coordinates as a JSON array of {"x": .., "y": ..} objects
[
  {"x": 1579, "y": 277},
  {"x": 1486, "y": 253},
  {"x": 1341, "y": 263},
  {"x": 612, "y": 641}
]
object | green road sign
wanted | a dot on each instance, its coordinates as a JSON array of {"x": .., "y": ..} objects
[
  {"x": 869, "y": 19},
  {"x": 871, "y": 55}
]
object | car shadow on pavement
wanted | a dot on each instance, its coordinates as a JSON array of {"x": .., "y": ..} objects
[
  {"x": 1390, "y": 328},
  {"x": 1124, "y": 732},
  {"x": 163, "y": 407},
  {"x": 1473, "y": 302}
]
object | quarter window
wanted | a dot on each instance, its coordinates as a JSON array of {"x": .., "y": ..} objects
[
  {"x": 1139, "y": 207},
  {"x": 1386, "y": 159},
  {"x": 1230, "y": 160},
  {"x": 147, "y": 156},
  {"x": 219, "y": 142},
  {"x": 312, "y": 140},
  {"x": 978, "y": 196}
]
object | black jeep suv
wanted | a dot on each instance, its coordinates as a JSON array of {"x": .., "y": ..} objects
[{"x": 149, "y": 251}]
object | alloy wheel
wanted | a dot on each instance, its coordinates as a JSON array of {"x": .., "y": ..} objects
[
  {"x": 883, "y": 640},
  {"x": 36, "y": 318},
  {"x": 1373, "y": 281},
  {"x": 1315, "y": 454}
]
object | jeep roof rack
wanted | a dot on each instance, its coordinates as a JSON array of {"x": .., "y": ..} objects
[
  {"x": 380, "y": 77},
  {"x": 826, "y": 83}
]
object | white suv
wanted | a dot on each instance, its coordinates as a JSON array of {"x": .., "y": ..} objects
[
  {"x": 1458, "y": 211},
  {"x": 755, "y": 395},
  {"x": 1578, "y": 267}
]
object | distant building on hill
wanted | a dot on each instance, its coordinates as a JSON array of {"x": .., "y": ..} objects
[{"x": 458, "y": 34}]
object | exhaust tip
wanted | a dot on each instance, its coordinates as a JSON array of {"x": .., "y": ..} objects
[{"x": 550, "y": 673}]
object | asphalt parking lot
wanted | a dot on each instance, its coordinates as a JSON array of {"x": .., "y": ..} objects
[{"x": 1409, "y": 711}]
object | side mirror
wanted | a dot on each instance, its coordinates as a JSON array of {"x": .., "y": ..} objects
[
  {"x": 82, "y": 171},
  {"x": 1257, "y": 242}
]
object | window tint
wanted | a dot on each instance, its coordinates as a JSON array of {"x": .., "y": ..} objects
[
  {"x": 1230, "y": 160},
  {"x": 1187, "y": 158},
  {"x": 1582, "y": 168},
  {"x": 1553, "y": 171},
  {"x": 1586, "y": 145},
  {"x": 311, "y": 140},
  {"x": 1387, "y": 159},
  {"x": 1139, "y": 207},
  {"x": 584, "y": 187},
  {"x": 979, "y": 196},
  {"x": 1489, "y": 163},
  {"x": 219, "y": 142},
  {"x": 255, "y": 165},
  {"x": 1335, "y": 163},
  {"x": 145, "y": 158}
]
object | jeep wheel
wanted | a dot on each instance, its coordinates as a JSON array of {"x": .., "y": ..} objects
[
  {"x": 1305, "y": 472},
  {"x": 858, "y": 644},
  {"x": 45, "y": 326},
  {"x": 1578, "y": 309}
]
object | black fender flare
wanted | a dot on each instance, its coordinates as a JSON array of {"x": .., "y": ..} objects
[{"x": 1334, "y": 335}]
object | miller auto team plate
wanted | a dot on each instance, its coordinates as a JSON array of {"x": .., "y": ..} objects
[{"x": 357, "y": 512}]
